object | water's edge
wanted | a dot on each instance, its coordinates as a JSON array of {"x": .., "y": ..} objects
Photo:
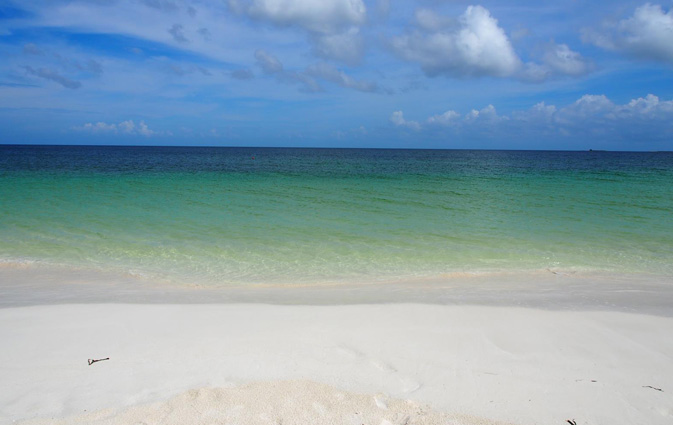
[{"x": 25, "y": 285}]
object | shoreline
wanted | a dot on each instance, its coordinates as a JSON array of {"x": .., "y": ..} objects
[{"x": 32, "y": 285}]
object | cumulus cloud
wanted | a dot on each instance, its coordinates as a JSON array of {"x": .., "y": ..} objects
[
  {"x": 488, "y": 115},
  {"x": 397, "y": 118},
  {"x": 649, "y": 105},
  {"x": 556, "y": 59},
  {"x": 588, "y": 106},
  {"x": 99, "y": 127},
  {"x": 449, "y": 117},
  {"x": 559, "y": 58},
  {"x": 128, "y": 127},
  {"x": 474, "y": 46},
  {"x": 52, "y": 75},
  {"x": 647, "y": 34},
  {"x": 645, "y": 117},
  {"x": 540, "y": 113}
]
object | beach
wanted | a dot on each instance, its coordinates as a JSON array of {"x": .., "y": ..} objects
[
  {"x": 458, "y": 362},
  {"x": 311, "y": 286}
]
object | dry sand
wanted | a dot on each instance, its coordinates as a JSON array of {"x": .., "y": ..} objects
[{"x": 368, "y": 364}]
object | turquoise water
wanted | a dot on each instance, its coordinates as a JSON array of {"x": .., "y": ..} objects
[{"x": 219, "y": 216}]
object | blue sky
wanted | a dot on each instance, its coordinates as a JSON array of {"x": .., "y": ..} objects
[{"x": 352, "y": 73}]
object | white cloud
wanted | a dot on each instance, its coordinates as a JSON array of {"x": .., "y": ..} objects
[
  {"x": 559, "y": 58},
  {"x": 589, "y": 115},
  {"x": 319, "y": 16},
  {"x": 539, "y": 113},
  {"x": 143, "y": 130},
  {"x": 649, "y": 105},
  {"x": 648, "y": 34},
  {"x": 587, "y": 107},
  {"x": 447, "y": 118},
  {"x": 332, "y": 25},
  {"x": 99, "y": 127},
  {"x": 488, "y": 115},
  {"x": 476, "y": 46},
  {"x": 397, "y": 118},
  {"x": 128, "y": 127}
]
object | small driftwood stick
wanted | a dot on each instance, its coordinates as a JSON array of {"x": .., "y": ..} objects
[
  {"x": 571, "y": 422},
  {"x": 650, "y": 386},
  {"x": 92, "y": 361}
]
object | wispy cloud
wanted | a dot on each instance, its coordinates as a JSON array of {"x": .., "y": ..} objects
[
  {"x": 332, "y": 25},
  {"x": 330, "y": 73},
  {"x": 271, "y": 65},
  {"x": 242, "y": 74},
  {"x": 52, "y": 75},
  {"x": 178, "y": 33}
]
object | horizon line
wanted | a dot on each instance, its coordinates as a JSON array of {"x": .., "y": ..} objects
[{"x": 326, "y": 147}]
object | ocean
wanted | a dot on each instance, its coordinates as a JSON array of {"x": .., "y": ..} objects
[{"x": 228, "y": 216}]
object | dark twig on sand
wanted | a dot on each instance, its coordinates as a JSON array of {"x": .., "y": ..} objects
[
  {"x": 650, "y": 386},
  {"x": 92, "y": 361},
  {"x": 571, "y": 422}
]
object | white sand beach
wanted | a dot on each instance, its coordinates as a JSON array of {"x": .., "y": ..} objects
[{"x": 375, "y": 363}]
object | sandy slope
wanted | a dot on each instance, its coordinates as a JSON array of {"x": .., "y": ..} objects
[{"x": 524, "y": 366}]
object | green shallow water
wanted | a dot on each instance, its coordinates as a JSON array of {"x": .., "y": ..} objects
[{"x": 230, "y": 215}]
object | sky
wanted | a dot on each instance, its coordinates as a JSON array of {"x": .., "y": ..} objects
[{"x": 520, "y": 74}]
